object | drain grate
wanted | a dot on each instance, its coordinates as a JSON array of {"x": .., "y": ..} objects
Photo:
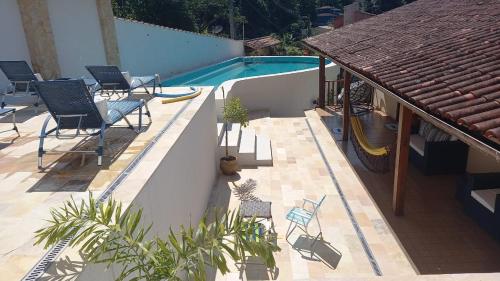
[{"x": 44, "y": 263}]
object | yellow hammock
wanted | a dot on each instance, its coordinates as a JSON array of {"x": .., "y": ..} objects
[{"x": 357, "y": 128}]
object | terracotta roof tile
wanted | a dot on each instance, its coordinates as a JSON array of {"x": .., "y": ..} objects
[
  {"x": 492, "y": 96},
  {"x": 481, "y": 116},
  {"x": 443, "y": 56},
  {"x": 261, "y": 42},
  {"x": 471, "y": 112},
  {"x": 453, "y": 103}
]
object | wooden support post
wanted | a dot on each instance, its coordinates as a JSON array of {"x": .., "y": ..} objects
[
  {"x": 401, "y": 167},
  {"x": 347, "y": 107},
  {"x": 321, "y": 97}
]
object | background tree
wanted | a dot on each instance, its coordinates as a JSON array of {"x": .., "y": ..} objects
[
  {"x": 380, "y": 6},
  {"x": 172, "y": 13},
  {"x": 261, "y": 17}
]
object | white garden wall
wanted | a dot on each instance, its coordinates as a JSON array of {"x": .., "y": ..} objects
[
  {"x": 173, "y": 182},
  {"x": 287, "y": 94},
  {"x": 13, "y": 44},
  {"x": 77, "y": 35},
  {"x": 146, "y": 49}
]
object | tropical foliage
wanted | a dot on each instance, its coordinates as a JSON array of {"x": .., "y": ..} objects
[
  {"x": 260, "y": 17},
  {"x": 380, "y": 6},
  {"x": 110, "y": 234}
]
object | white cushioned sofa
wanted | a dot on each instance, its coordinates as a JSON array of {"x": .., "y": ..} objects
[
  {"x": 433, "y": 151},
  {"x": 480, "y": 196}
]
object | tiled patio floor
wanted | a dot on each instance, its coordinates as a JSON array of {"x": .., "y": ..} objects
[
  {"x": 300, "y": 171},
  {"x": 307, "y": 164},
  {"x": 437, "y": 235},
  {"x": 27, "y": 194}
]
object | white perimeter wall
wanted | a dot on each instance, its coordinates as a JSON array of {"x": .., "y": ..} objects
[
  {"x": 77, "y": 35},
  {"x": 178, "y": 190},
  {"x": 385, "y": 103},
  {"x": 147, "y": 49},
  {"x": 13, "y": 44},
  {"x": 286, "y": 94}
]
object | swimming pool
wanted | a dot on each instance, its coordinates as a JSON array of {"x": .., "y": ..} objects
[{"x": 242, "y": 67}]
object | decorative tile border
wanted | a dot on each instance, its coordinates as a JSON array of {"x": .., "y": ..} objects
[{"x": 354, "y": 222}]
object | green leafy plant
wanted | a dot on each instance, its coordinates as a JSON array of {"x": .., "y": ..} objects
[
  {"x": 106, "y": 233},
  {"x": 234, "y": 112}
]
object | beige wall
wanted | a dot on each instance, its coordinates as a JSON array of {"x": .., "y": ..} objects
[
  {"x": 57, "y": 37},
  {"x": 39, "y": 37},
  {"x": 479, "y": 162},
  {"x": 77, "y": 35},
  {"x": 385, "y": 103},
  {"x": 13, "y": 45}
]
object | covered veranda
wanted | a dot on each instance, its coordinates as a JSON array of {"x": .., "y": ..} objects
[{"x": 440, "y": 70}]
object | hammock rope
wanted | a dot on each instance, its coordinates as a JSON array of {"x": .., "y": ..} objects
[{"x": 374, "y": 158}]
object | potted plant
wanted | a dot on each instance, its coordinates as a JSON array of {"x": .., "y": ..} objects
[{"x": 234, "y": 112}]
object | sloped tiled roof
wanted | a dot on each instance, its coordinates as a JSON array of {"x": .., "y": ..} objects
[
  {"x": 261, "y": 42},
  {"x": 441, "y": 55}
]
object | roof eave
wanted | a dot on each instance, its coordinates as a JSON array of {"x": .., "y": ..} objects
[{"x": 450, "y": 129}]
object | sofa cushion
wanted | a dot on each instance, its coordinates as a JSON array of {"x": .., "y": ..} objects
[
  {"x": 431, "y": 133},
  {"x": 102, "y": 107},
  {"x": 424, "y": 128},
  {"x": 418, "y": 144},
  {"x": 486, "y": 197}
]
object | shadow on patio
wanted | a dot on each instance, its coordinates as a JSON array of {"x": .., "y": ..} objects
[
  {"x": 435, "y": 232},
  {"x": 75, "y": 171}
]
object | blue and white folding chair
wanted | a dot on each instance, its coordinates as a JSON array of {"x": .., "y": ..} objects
[{"x": 301, "y": 217}]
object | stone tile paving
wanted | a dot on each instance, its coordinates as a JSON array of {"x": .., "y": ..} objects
[
  {"x": 27, "y": 194},
  {"x": 300, "y": 172}
]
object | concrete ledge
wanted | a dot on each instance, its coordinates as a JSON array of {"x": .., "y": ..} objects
[{"x": 162, "y": 181}]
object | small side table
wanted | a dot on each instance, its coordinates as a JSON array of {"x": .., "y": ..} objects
[
  {"x": 7, "y": 110},
  {"x": 257, "y": 209}
]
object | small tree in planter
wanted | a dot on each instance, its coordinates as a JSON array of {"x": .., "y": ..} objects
[{"x": 234, "y": 112}]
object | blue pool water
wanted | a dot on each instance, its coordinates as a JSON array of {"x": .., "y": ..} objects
[{"x": 241, "y": 67}]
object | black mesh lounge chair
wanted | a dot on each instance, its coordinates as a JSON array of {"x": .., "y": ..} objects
[
  {"x": 72, "y": 107},
  {"x": 111, "y": 79},
  {"x": 21, "y": 78}
]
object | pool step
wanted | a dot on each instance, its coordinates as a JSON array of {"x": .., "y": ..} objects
[
  {"x": 251, "y": 149},
  {"x": 264, "y": 155},
  {"x": 246, "y": 153}
]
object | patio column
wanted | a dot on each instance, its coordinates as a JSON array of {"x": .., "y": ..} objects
[
  {"x": 347, "y": 107},
  {"x": 401, "y": 167},
  {"x": 39, "y": 37},
  {"x": 108, "y": 31},
  {"x": 321, "y": 98}
]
